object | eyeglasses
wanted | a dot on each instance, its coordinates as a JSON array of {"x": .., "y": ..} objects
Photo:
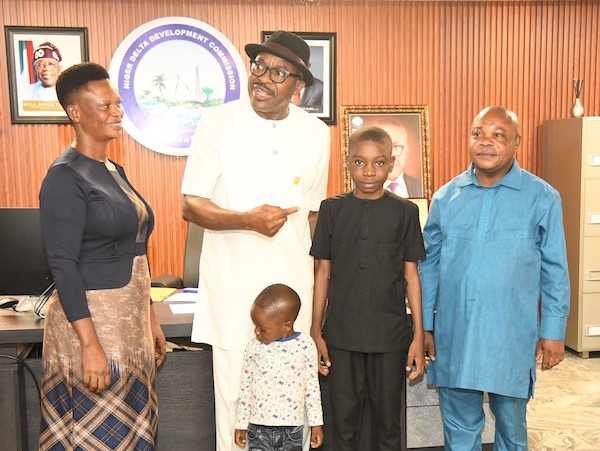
[
  {"x": 277, "y": 74},
  {"x": 46, "y": 65}
]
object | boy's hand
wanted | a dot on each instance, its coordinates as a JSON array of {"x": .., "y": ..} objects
[
  {"x": 429, "y": 348},
  {"x": 323, "y": 361},
  {"x": 416, "y": 358},
  {"x": 316, "y": 436},
  {"x": 240, "y": 437}
]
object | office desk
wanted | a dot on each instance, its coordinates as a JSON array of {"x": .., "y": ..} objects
[{"x": 184, "y": 386}]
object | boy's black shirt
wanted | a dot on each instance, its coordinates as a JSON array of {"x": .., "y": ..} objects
[{"x": 368, "y": 242}]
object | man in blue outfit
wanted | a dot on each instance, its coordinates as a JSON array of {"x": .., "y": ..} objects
[{"x": 495, "y": 287}]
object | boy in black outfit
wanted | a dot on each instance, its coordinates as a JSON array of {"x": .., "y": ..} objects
[{"x": 367, "y": 244}]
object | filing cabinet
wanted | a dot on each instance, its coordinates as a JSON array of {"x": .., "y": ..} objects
[{"x": 571, "y": 163}]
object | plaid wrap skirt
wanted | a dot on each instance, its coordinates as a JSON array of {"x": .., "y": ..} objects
[{"x": 123, "y": 417}]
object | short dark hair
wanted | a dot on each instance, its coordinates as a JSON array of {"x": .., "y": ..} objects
[
  {"x": 373, "y": 134},
  {"x": 75, "y": 78},
  {"x": 280, "y": 301}
]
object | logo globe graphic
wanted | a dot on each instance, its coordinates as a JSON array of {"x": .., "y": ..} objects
[{"x": 168, "y": 72}]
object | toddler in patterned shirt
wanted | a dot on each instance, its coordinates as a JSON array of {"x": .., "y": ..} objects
[{"x": 280, "y": 386}]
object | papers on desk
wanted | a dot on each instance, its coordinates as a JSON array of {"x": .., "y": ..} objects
[
  {"x": 158, "y": 294},
  {"x": 180, "y": 309},
  {"x": 183, "y": 302},
  {"x": 183, "y": 296}
]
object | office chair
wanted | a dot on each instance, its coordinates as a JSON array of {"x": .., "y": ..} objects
[{"x": 191, "y": 262}]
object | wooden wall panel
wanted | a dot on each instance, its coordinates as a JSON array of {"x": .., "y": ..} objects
[{"x": 455, "y": 56}]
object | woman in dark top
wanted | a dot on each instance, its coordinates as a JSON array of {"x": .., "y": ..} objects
[{"x": 102, "y": 341}]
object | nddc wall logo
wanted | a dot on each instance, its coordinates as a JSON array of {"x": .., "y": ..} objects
[{"x": 168, "y": 72}]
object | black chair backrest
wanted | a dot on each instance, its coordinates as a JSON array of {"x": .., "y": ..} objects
[{"x": 191, "y": 260}]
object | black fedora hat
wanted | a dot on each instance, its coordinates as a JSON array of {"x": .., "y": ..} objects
[{"x": 288, "y": 46}]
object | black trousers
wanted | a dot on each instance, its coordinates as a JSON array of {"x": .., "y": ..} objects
[{"x": 355, "y": 377}]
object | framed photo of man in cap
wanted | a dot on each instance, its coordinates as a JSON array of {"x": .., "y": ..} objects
[
  {"x": 318, "y": 98},
  {"x": 36, "y": 57}
]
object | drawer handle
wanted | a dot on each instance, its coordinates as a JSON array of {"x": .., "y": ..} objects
[
  {"x": 594, "y": 160},
  {"x": 592, "y": 275},
  {"x": 593, "y": 218},
  {"x": 592, "y": 331}
]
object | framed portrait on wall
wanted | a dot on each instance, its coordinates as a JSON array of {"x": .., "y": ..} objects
[
  {"x": 319, "y": 98},
  {"x": 36, "y": 57},
  {"x": 408, "y": 126}
]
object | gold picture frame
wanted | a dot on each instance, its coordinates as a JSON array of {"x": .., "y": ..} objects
[{"x": 408, "y": 125}]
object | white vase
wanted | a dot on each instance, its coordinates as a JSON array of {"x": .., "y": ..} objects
[{"x": 577, "y": 110}]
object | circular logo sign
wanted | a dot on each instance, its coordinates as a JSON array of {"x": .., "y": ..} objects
[{"x": 168, "y": 71}]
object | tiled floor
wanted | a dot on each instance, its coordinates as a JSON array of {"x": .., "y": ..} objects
[{"x": 565, "y": 411}]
